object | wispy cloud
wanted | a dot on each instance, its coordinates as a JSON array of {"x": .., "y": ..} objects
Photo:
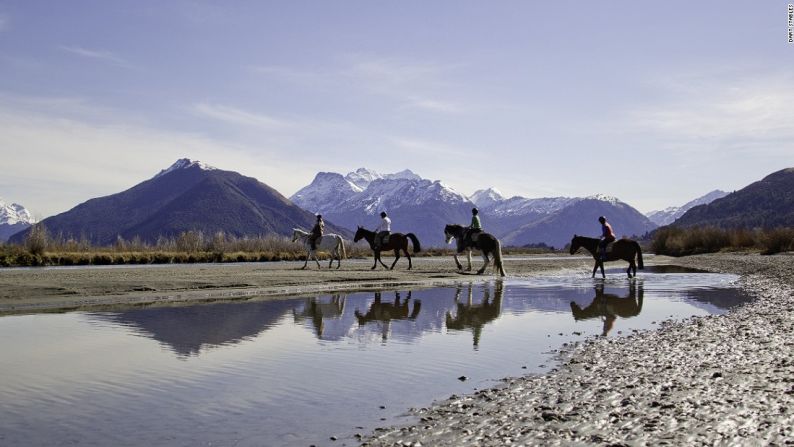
[
  {"x": 410, "y": 85},
  {"x": 53, "y": 160},
  {"x": 743, "y": 111},
  {"x": 101, "y": 55},
  {"x": 238, "y": 116}
]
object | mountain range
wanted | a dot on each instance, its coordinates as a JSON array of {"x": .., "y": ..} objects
[
  {"x": 554, "y": 220},
  {"x": 189, "y": 195},
  {"x": 415, "y": 205},
  {"x": 13, "y": 219},
  {"x": 767, "y": 203},
  {"x": 424, "y": 207}
]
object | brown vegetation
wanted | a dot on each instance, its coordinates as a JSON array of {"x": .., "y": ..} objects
[{"x": 675, "y": 241}]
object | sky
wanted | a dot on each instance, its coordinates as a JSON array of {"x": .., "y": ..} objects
[{"x": 655, "y": 103}]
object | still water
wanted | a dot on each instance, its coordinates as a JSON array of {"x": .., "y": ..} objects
[{"x": 298, "y": 371}]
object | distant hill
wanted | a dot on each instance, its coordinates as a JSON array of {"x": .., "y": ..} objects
[
  {"x": 580, "y": 216},
  {"x": 189, "y": 195},
  {"x": 13, "y": 219},
  {"x": 669, "y": 215},
  {"x": 415, "y": 205},
  {"x": 767, "y": 203}
]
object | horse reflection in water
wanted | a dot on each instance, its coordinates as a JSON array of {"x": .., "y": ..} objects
[
  {"x": 608, "y": 307},
  {"x": 476, "y": 316},
  {"x": 317, "y": 311},
  {"x": 385, "y": 312}
]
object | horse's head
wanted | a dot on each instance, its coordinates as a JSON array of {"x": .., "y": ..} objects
[
  {"x": 448, "y": 236},
  {"x": 576, "y": 244},
  {"x": 359, "y": 234}
]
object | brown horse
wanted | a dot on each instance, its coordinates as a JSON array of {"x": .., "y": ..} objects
[
  {"x": 624, "y": 249},
  {"x": 397, "y": 242}
]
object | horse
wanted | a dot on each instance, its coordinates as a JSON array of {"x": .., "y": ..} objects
[
  {"x": 331, "y": 242},
  {"x": 397, "y": 242},
  {"x": 487, "y": 243},
  {"x": 625, "y": 249}
]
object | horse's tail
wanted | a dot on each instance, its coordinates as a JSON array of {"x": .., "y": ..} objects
[
  {"x": 342, "y": 243},
  {"x": 415, "y": 241},
  {"x": 639, "y": 255},
  {"x": 497, "y": 257}
]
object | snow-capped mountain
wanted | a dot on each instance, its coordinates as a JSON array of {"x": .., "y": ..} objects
[
  {"x": 185, "y": 163},
  {"x": 553, "y": 220},
  {"x": 415, "y": 205},
  {"x": 13, "y": 219},
  {"x": 484, "y": 198},
  {"x": 669, "y": 215},
  {"x": 328, "y": 191},
  {"x": 362, "y": 177}
]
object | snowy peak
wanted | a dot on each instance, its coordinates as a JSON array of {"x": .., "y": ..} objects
[
  {"x": 14, "y": 213},
  {"x": 670, "y": 214},
  {"x": 185, "y": 163},
  {"x": 362, "y": 177},
  {"x": 605, "y": 198},
  {"x": 484, "y": 198}
]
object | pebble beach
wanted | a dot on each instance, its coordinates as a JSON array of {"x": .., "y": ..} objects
[{"x": 715, "y": 380}]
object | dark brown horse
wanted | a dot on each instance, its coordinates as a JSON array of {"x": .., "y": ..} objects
[
  {"x": 487, "y": 243},
  {"x": 397, "y": 242},
  {"x": 624, "y": 249}
]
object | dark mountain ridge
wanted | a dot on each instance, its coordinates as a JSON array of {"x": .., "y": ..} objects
[
  {"x": 186, "y": 197},
  {"x": 767, "y": 203}
]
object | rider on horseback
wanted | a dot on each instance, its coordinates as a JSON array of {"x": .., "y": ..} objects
[
  {"x": 607, "y": 236},
  {"x": 383, "y": 230},
  {"x": 317, "y": 232},
  {"x": 473, "y": 230}
]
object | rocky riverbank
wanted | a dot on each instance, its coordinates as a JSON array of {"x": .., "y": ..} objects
[{"x": 717, "y": 380}]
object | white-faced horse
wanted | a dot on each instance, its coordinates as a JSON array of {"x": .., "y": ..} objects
[{"x": 332, "y": 243}]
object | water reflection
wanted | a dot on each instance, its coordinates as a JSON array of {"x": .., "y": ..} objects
[
  {"x": 382, "y": 313},
  {"x": 315, "y": 310},
  {"x": 608, "y": 307},
  {"x": 188, "y": 330},
  {"x": 476, "y": 316}
]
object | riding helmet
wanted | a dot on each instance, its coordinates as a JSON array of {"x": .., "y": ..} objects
[
  {"x": 383, "y": 214},
  {"x": 602, "y": 219},
  {"x": 474, "y": 211}
]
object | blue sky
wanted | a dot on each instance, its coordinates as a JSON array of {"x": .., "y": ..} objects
[{"x": 655, "y": 103}]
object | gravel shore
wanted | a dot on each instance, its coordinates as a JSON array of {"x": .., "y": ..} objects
[{"x": 716, "y": 380}]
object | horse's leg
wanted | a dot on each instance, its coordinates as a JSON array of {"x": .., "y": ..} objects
[
  {"x": 308, "y": 253},
  {"x": 603, "y": 275},
  {"x": 376, "y": 255},
  {"x": 396, "y": 258},
  {"x": 486, "y": 261},
  {"x": 407, "y": 255},
  {"x": 595, "y": 268},
  {"x": 468, "y": 257},
  {"x": 455, "y": 255},
  {"x": 334, "y": 254},
  {"x": 316, "y": 260},
  {"x": 381, "y": 261}
]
